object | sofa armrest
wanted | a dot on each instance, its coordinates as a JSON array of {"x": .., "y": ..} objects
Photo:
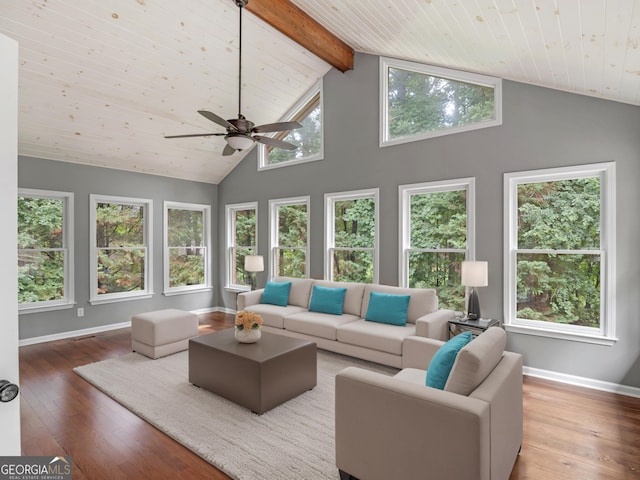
[
  {"x": 417, "y": 352},
  {"x": 246, "y": 299},
  {"x": 389, "y": 428},
  {"x": 435, "y": 325}
]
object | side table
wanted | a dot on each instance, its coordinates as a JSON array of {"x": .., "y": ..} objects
[{"x": 475, "y": 326}]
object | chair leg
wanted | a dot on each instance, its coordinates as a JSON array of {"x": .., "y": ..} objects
[{"x": 346, "y": 476}]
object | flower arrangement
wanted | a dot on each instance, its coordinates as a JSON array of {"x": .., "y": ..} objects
[{"x": 248, "y": 320}]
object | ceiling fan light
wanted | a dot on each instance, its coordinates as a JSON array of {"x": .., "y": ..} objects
[{"x": 239, "y": 142}]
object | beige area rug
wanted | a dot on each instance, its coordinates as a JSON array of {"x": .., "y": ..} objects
[{"x": 294, "y": 440}]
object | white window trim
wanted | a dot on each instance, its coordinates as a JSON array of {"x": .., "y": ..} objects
[
  {"x": 274, "y": 242},
  {"x": 457, "y": 75},
  {"x": 606, "y": 334},
  {"x": 404, "y": 197},
  {"x": 330, "y": 200},
  {"x": 292, "y": 113},
  {"x": 94, "y": 298},
  {"x": 230, "y": 242},
  {"x": 67, "y": 245},
  {"x": 206, "y": 226}
]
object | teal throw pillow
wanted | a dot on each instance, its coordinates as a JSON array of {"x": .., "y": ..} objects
[
  {"x": 327, "y": 300},
  {"x": 276, "y": 293},
  {"x": 388, "y": 308},
  {"x": 442, "y": 362}
]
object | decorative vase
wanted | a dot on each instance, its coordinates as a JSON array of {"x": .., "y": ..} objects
[{"x": 248, "y": 336}]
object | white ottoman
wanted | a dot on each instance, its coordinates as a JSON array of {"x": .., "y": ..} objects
[{"x": 163, "y": 332}]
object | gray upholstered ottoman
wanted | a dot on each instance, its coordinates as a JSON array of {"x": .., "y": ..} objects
[{"x": 163, "y": 332}]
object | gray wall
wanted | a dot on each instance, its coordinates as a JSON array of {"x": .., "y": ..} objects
[
  {"x": 84, "y": 180},
  {"x": 541, "y": 128}
]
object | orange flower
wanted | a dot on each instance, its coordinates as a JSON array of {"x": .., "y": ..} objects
[{"x": 248, "y": 320}]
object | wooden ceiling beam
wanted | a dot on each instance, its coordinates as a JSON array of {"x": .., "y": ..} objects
[{"x": 293, "y": 22}]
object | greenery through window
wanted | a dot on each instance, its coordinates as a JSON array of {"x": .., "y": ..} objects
[
  {"x": 120, "y": 245},
  {"x": 352, "y": 237},
  {"x": 187, "y": 244},
  {"x": 289, "y": 224},
  {"x": 242, "y": 241},
  {"x": 45, "y": 268},
  {"x": 308, "y": 138},
  {"x": 422, "y": 101},
  {"x": 435, "y": 238},
  {"x": 559, "y": 255}
]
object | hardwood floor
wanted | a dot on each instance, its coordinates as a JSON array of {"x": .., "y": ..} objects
[{"x": 569, "y": 432}]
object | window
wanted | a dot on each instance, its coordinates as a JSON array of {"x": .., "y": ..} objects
[
  {"x": 242, "y": 240},
  {"x": 308, "y": 139},
  {"x": 45, "y": 250},
  {"x": 436, "y": 235},
  {"x": 351, "y": 236},
  {"x": 421, "y": 101},
  {"x": 289, "y": 224},
  {"x": 560, "y": 257},
  {"x": 186, "y": 247},
  {"x": 120, "y": 249}
]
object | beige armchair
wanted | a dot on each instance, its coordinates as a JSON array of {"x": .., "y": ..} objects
[{"x": 397, "y": 427}]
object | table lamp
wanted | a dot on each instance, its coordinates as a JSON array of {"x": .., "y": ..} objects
[
  {"x": 253, "y": 264},
  {"x": 474, "y": 274}
]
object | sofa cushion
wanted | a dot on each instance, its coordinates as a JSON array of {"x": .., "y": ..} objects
[
  {"x": 276, "y": 293},
  {"x": 327, "y": 300},
  {"x": 422, "y": 302},
  {"x": 273, "y": 315},
  {"x": 442, "y": 362},
  {"x": 322, "y": 325},
  {"x": 300, "y": 290},
  {"x": 476, "y": 361},
  {"x": 352, "y": 297},
  {"x": 411, "y": 375},
  {"x": 387, "y": 308},
  {"x": 376, "y": 336}
]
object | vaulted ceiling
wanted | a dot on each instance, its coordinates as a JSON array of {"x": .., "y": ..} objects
[{"x": 101, "y": 82}]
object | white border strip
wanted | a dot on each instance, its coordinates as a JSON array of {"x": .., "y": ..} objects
[
  {"x": 582, "y": 381},
  {"x": 103, "y": 328}
]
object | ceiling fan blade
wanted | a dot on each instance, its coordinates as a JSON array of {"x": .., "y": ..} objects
[
  {"x": 228, "y": 150},
  {"x": 195, "y": 135},
  {"x": 276, "y": 127},
  {"x": 274, "y": 142},
  {"x": 216, "y": 119}
]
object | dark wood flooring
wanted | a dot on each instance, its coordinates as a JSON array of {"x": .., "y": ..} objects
[{"x": 570, "y": 432}]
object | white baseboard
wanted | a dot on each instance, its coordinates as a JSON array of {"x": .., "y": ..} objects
[
  {"x": 74, "y": 333},
  {"x": 104, "y": 328},
  {"x": 582, "y": 381}
]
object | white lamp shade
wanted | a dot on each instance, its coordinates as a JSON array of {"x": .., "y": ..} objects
[
  {"x": 239, "y": 142},
  {"x": 254, "y": 263},
  {"x": 475, "y": 274}
]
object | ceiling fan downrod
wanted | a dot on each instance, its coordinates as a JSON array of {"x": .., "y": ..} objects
[{"x": 240, "y": 4}]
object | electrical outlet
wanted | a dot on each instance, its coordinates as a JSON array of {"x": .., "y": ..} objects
[{"x": 81, "y": 312}]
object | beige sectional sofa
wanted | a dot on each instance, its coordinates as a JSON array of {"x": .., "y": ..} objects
[{"x": 349, "y": 333}]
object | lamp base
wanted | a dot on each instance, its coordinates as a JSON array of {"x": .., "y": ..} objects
[{"x": 473, "y": 308}]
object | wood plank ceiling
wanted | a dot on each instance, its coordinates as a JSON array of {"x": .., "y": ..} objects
[{"x": 102, "y": 82}]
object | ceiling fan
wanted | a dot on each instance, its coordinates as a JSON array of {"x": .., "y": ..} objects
[{"x": 240, "y": 131}]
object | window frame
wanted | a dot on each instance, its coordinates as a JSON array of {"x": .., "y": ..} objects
[
  {"x": 300, "y": 106},
  {"x": 274, "y": 243},
  {"x": 606, "y": 334},
  {"x": 441, "y": 72},
  {"x": 147, "y": 292},
  {"x": 405, "y": 192},
  {"x": 68, "y": 235},
  {"x": 230, "y": 243},
  {"x": 206, "y": 233},
  {"x": 330, "y": 200}
]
